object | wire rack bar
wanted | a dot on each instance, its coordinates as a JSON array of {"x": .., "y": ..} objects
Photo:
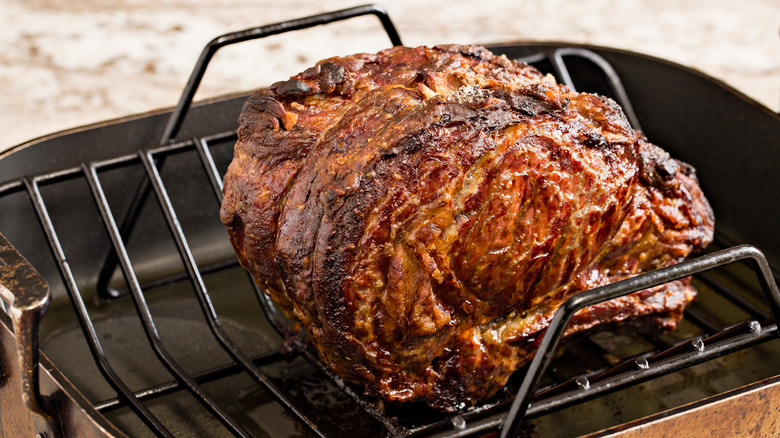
[
  {"x": 204, "y": 299},
  {"x": 93, "y": 341},
  {"x": 173, "y": 386},
  {"x": 144, "y": 313}
]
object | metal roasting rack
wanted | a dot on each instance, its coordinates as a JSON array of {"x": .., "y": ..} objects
[{"x": 504, "y": 413}]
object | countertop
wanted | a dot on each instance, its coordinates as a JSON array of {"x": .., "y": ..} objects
[{"x": 68, "y": 64}]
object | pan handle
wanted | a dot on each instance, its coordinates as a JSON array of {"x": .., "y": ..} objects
[{"x": 26, "y": 296}]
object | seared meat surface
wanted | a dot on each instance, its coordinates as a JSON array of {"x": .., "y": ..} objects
[{"x": 424, "y": 211}]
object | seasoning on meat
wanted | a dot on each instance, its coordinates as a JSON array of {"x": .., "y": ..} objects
[{"x": 424, "y": 211}]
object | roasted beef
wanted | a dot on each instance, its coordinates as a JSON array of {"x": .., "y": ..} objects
[{"x": 424, "y": 211}]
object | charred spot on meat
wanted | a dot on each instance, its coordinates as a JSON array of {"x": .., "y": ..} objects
[{"x": 424, "y": 211}]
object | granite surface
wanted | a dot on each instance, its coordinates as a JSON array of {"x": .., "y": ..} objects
[{"x": 67, "y": 64}]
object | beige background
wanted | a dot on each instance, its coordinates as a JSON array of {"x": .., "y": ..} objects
[{"x": 67, "y": 64}]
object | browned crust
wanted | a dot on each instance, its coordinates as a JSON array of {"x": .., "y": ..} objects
[{"x": 423, "y": 211}]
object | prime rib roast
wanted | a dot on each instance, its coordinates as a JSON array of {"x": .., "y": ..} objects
[{"x": 424, "y": 211}]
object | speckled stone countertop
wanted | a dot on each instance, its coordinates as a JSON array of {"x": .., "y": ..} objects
[{"x": 68, "y": 64}]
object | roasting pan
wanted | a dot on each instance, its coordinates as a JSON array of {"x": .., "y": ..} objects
[{"x": 126, "y": 314}]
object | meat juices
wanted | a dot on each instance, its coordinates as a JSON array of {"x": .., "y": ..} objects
[{"x": 424, "y": 211}]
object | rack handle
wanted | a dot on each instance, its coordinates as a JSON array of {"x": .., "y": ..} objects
[
  {"x": 27, "y": 297},
  {"x": 563, "y": 315},
  {"x": 177, "y": 117}
]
